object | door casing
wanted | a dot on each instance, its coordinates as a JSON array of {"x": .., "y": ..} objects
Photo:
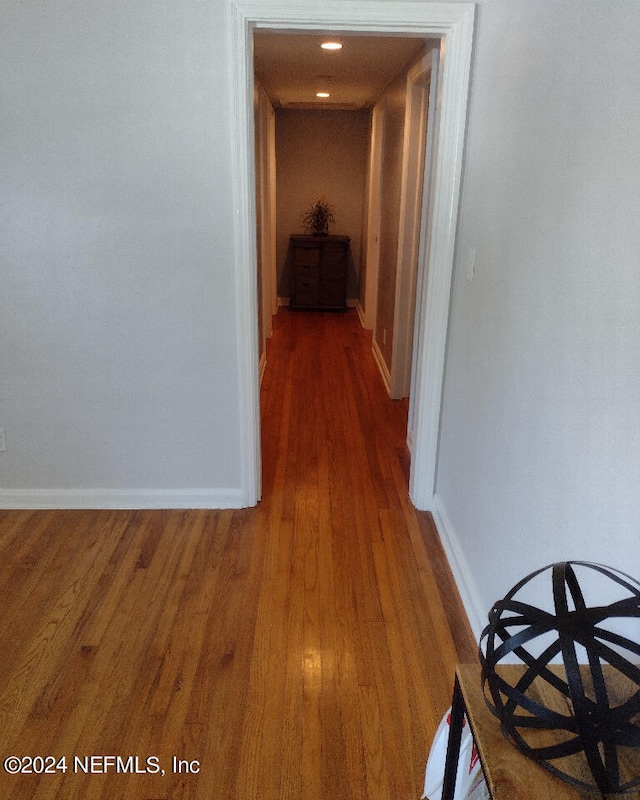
[
  {"x": 417, "y": 151},
  {"x": 454, "y": 24}
]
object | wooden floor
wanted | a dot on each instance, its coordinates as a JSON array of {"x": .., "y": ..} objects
[{"x": 302, "y": 649}]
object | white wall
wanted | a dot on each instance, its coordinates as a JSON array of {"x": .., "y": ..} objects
[
  {"x": 117, "y": 344},
  {"x": 118, "y": 368},
  {"x": 540, "y": 444}
]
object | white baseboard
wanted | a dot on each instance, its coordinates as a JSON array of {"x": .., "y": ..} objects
[
  {"x": 384, "y": 371},
  {"x": 263, "y": 366},
  {"x": 352, "y": 302},
  {"x": 120, "y": 499},
  {"x": 476, "y": 613}
]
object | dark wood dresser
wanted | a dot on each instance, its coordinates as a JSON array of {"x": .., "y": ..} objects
[{"x": 318, "y": 268}]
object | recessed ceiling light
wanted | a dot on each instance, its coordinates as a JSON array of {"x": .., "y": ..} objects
[
  {"x": 331, "y": 46},
  {"x": 323, "y": 94}
]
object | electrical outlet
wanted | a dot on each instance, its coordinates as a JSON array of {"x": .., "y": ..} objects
[{"x": 3, "y": 441}]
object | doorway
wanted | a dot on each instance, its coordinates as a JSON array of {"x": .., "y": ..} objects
[
  {"x": 414, "y": 214},
  {"x": 453, "y": 22}
]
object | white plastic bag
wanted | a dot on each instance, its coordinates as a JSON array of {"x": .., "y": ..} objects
[{"x": 470, "y": 783}]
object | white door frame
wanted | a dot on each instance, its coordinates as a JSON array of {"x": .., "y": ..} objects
[
  {"x": 266, "y": 210},
  {"x": 374, "y": 206},
  {"x": 412, "y": 220},
  {"x": 424, "y": 237},
  {"x": 454, "y": 22}
]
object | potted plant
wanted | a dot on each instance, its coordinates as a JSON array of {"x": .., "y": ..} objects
[{"x": 317, "y": 217}]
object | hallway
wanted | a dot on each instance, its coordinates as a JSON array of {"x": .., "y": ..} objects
[
  {"x": 303, "y": 649},
  {"x": 377, "y": 615}
]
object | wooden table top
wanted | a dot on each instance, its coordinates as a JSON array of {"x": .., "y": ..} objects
[{"x": 509, "y": 774}]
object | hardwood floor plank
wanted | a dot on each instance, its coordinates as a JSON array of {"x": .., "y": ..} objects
[{"x": 304, "y": 648}]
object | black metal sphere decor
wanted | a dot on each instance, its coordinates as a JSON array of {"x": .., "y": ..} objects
[{"x": 581, "y": 720}]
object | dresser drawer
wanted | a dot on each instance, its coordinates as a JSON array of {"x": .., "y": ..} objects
[
  {"x": 331, "y": 294},
  {"x": 307, "y": 272},
  {"x": 306, "y": 256},
  {"x": 306, "y": 291}
]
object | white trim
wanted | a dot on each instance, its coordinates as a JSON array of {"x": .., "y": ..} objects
[
  {"x": 415, "y": 172},
  {"x": 433, "y": 321},
  {"x": 245, "y": 269},
  {"x": 370, "y": 16},
  {"x": 374, "y": 211},
  {"x": 382, "y": 365},
  {"x": 263, "y": 366},
  {"x": 425, "y": 233},
  {"x": 272, "y": 212},
  {"x": 454, "y": 22},
  {"x": 462, "y": 574},
  {"x": 120, "y": 498},
  {"x": 360, "y": 311},
  {"x": 265, "y": 193}
]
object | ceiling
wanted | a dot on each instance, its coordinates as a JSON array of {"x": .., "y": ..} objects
[{"x": 292, "y": 67}]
